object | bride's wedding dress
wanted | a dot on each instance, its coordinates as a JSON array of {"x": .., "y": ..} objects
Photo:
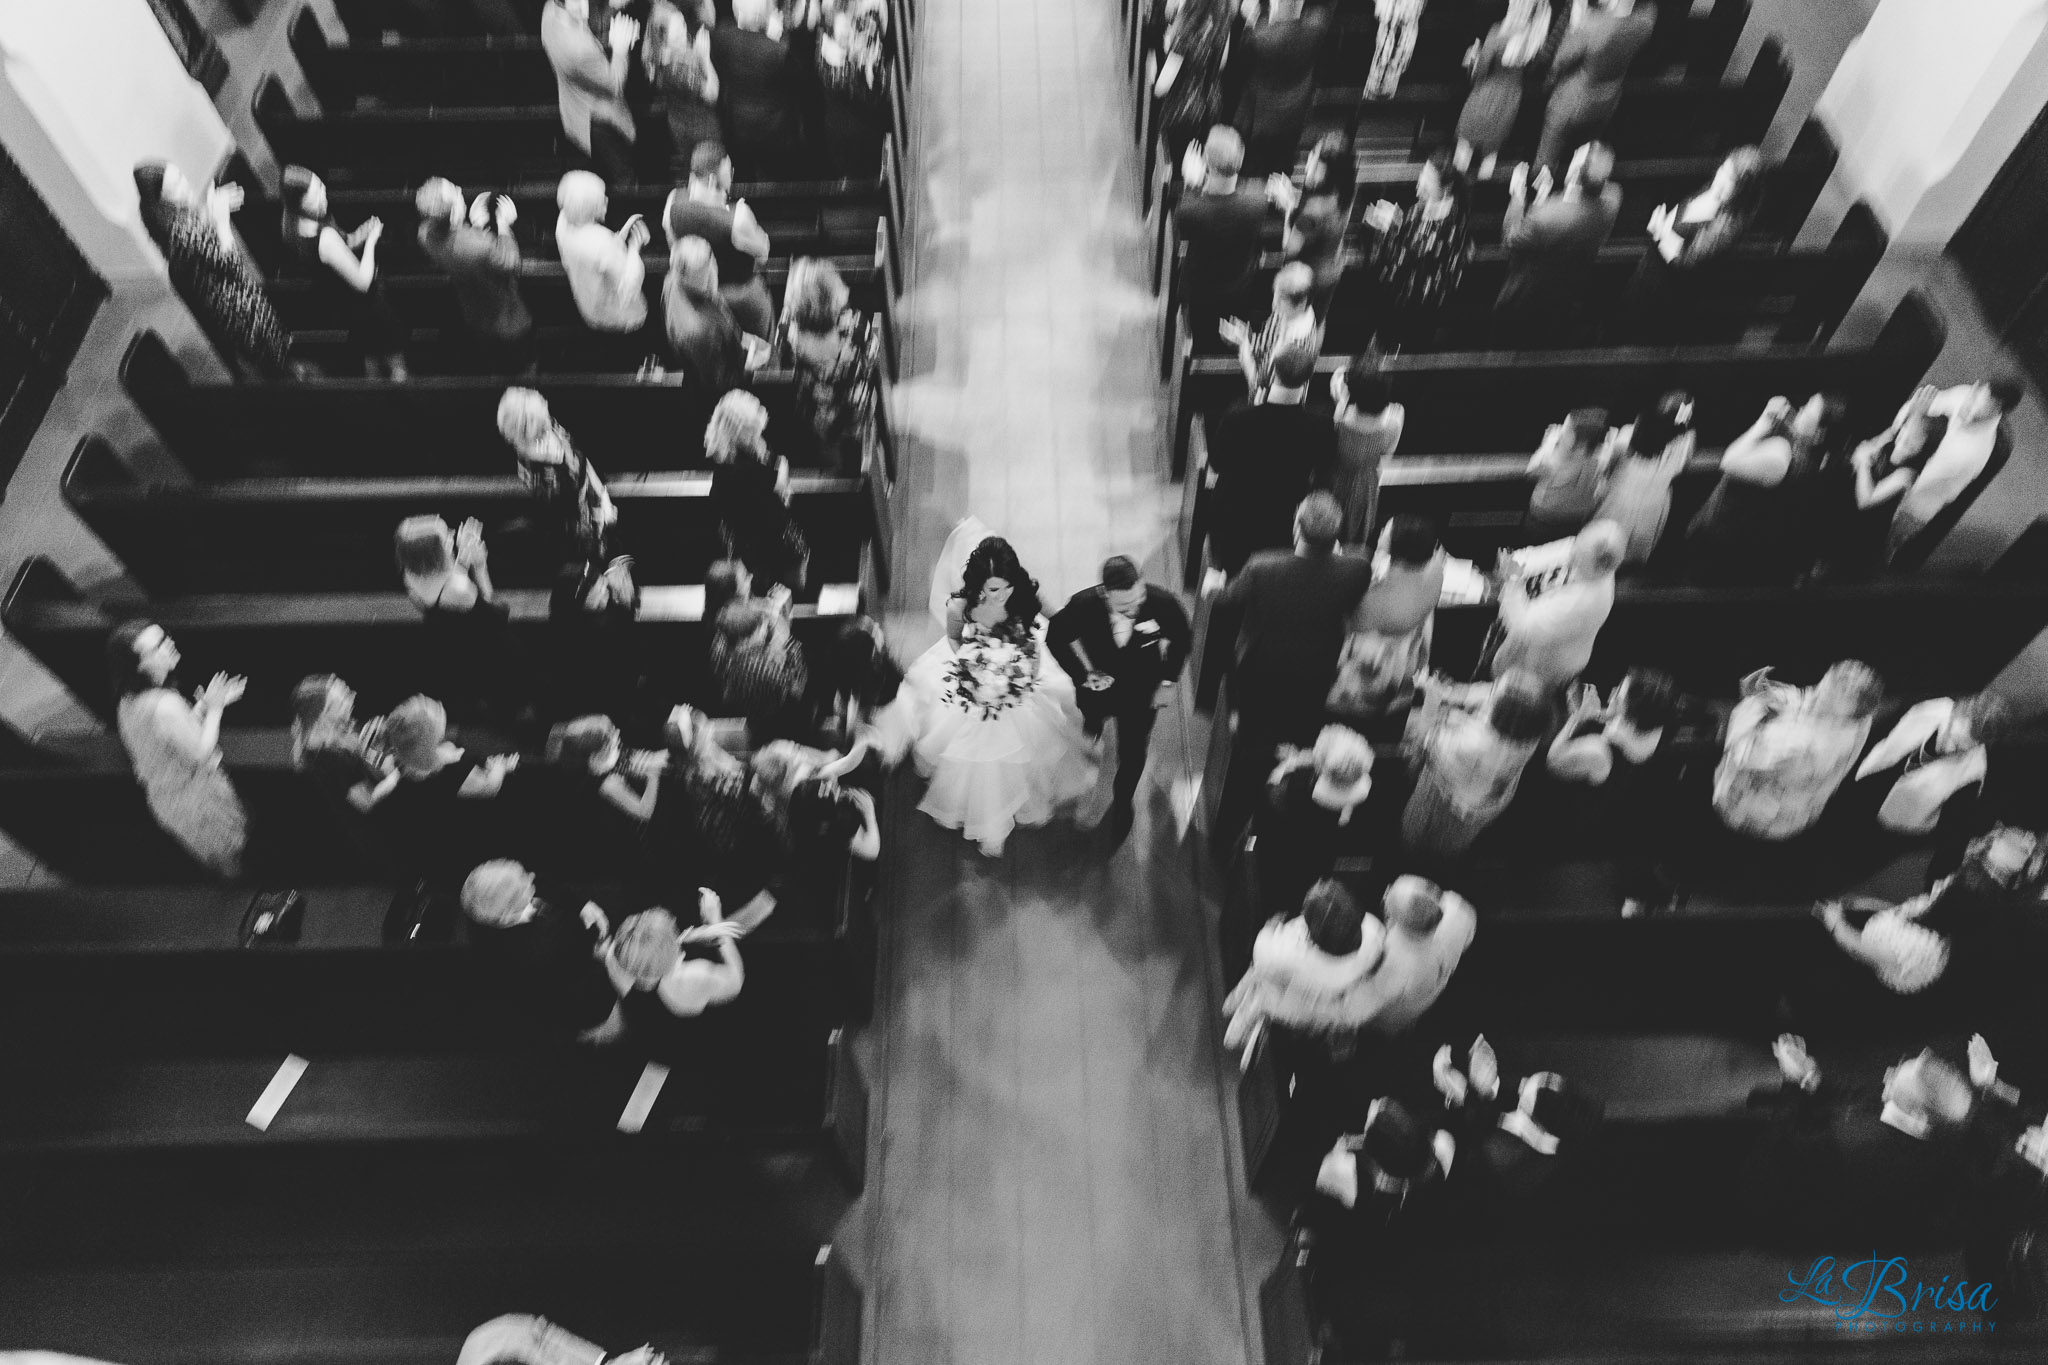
[{"x": 997, "y": 731}]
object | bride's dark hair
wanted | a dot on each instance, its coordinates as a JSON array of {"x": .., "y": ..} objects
[{"x": 994, "y": 558}]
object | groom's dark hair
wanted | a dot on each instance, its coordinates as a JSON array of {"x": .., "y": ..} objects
[{"x": 1118, "y": 573}]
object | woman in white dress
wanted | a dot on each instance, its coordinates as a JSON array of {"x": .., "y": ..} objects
[
  {"x": 997, "y": 731},
  {"x": 174, "y": 746}
]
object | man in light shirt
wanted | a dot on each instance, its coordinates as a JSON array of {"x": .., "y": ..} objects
[
  {"x": 607, "y": 277},
  {"x": 590, "y": 82},
  {"x": 1971, "y": 450},
  {"x": 1428, "y": 930}
]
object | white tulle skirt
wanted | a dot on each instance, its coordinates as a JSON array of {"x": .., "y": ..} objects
[{"x": 989, "y": 773}]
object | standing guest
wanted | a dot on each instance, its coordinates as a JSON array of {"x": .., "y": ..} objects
[
  {"x": 1968, "y": 454},
  {"x": 1266, "y": 453},
  {"x": 831, "y": 348},
  {"x": 1189, "y": 86},
  {"x": 436, "y": 814},
  {"x": 853, "y": 73},
  {"x": 1566, "y": 468},
  {"x": 1629, "y": 727},
  {"x": 1857, "y": 497},
  {"x": 656, "y": 980},
  {"x": 703, "y": 336},
  {"x": 1586, "y": 75},
  {"x": 1280, "y": 78},
  {"x": 343, "y": 268},
  {"x": 727, "y": 580},
  {"x": 1289, "y": 611},
  {"x": 1548, "y": 630},
  {"x": 1292, "y": 325},
  {"x": 1123, "y": 642},
  {"x": 710, "y": 823},
  {"x": 857, "y": 687},
  {"x": 1637, "y": 494},
  {"x": 522, "y": 1339},
  {"x": 1751, "y": 529},
  {"x": 196, "y": 235},
  {"x": 590, "y": 83},
  {"x": 1387, "y": 1178},
  {"x": 1428, "y": 931},
  {"x": 1387, "y": 651},
  {"x": 1551, "y": 246},
  {"x": 760, "y": 671},
  {"x": 547, "y": 950},
  {"x": 591, "y": 750},
  {"x": 555, "y": 471},
  {"x": 484, "y": 266},
  {"x": 703, "y": 208},
  {"x": 676, "y": 53},
  {"x": 1393, "y": 46},
  {"x": 1310, "y": 816},
  {"x": 1219, "y": 220},
  {"x": 1473, "y": 749},
  {"x": 174, "y": 746},
  {"x": 607, "y": 277},
  {"x": 343, "y": 757},
  {"x": 1321, "y": 217},
  {"x": 1788, "y": 749},
  {"x": 1368, "y": 425},
  {"x": 1939, "y": 747},
  {"x": 448, "y": 577},
  {"x": 1503, "y": 65},
  {"x": 1303, "y": 966},
  {"x": 1419, "y": 254},
  {"x": 750, "y": 490},
  {"x": 1671, "y": 285},
  {"x": 757, "y": 85},
  {"x": 829, "y": 822}
]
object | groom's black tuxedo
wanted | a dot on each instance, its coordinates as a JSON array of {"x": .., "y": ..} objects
[{"x": 1155, "y": 652}]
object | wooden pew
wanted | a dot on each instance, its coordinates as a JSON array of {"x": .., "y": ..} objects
[
  {"x": 442, "y": 424},
  {"x": 334, "y": 535},
  {"x": 374, "y": 639}
]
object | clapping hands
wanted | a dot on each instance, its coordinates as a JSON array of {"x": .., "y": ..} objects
[
  {"x": 1983, "y": 1066},
  {"x": 469, "y": 544},
  {"x": 624, "y": 32},
  {"x": 222, "y": 691},
  {"x": 1236, "y": 331}
]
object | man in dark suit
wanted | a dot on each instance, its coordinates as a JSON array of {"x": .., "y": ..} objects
[
  {"x": 1123, "y": 642},
  {"x": 1266, "y": 453},
  {"x": 1288, "y": 612},
  {"x": 1551, "y": 246},
  {"x": 1220, "y": 221}
]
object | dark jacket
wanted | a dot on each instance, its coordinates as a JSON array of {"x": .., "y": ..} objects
[
  {"x": 1551, "y": 248},
  {"x": 1160, "y": 640},
  {"x": 1287, "y": 613},
  {"x": 1222, "y": 236},
  {"x": 1266, "y": 458}
]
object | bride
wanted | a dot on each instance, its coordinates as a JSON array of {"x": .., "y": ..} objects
[{"x": 997, "y": 731}]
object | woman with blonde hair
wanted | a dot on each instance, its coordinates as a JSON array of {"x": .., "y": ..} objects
[
  {"x": 831, "y": 347},
  {"x": 750, "y": 490},
  {"x": 1473, "y": 750},
  {"x": 648, "y": 967},
  {"x": 703, "y": 336}
]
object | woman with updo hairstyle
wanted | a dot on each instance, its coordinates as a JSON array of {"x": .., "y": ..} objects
[
  {"x": 439, "y": 812},
  {"x": 174, "y": 746},
  {"x": 344, "y": 758},
  {"x": 553, "y": 469},
  {"x": 658, "y": 982},
  {"x": 342, "y": 268},
  {"x": 750, "y": 490},
  {"x": 709, "y": 825},
  {"x": 831, "y": 348},
  {"x": 703, "y": 336}
]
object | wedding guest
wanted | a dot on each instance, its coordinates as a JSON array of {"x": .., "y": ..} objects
[
  {"x": 1858, "y": 496},
  {"x": 853, "y": 73},
  {"x": 760, "y": 670},
  {"x": 1189, "y": 86},
  {"x": 1550, "y": 635},
  {"x": 1788, "y": 749},
  {"x": 1940, "y": 747},
  {"x": 1503, "y": 64},
  {"x": 435, "y": 814},
  {"x": 607, "y": 277},
  {"x": 727, "y": 580},
  {"x": 343, "y": 269},
  {"x": 1368, "y": 428},
  {"x": 704, "y": 208},
  {"x": 590, "y": 84},
  {"x": 1586, "y": 74},
  {"x": 1311, "y": 811},
  {"x": 546, "y": 949},
  {"x": 1391, "y": 1170},
  {"x": 829, "y": 819},
  {"x": 195, "y": 232},
  {"x": 448, "y": 577},
  {"x": 555, "y": 472},
  {"x": 1551, "y": 246},
  {"x": 1671, "y": 285},
  {"x": 1751, "y": 529},
  {"x": 702, "y": 333},
  {"x": 174, "y": 746},
  {"x": 1419, "y": 254},
  {"x": 1303, "y": 965},
  {"x": 1279, "y": 84},
  {"x": 857, "y": 686},
  {"x": 750, "y": 490},
  {"x": 1387, "y": 652},
  {"x": 1637, "y": 493},
  {"x": 676, "y": 53},
  {"x": 757, "y": 83},
  {"x": 590, "y": 751},
  {"x": 343, "y": 757},
  {"x": 710, "y": 825},
  {"x": 831, "y": 349},
  {"x": 1219, "y": 220},
  {"x": 1473, "y": 749},
  {"x": 1292, "y": 325},
  {"x": 1321, "y": 217},
  {"x": 483, "y": 264},
  {"x": 1428, "y": 931},
  {"x": 1628, "y": 728},
  {"x": 1968, "y": 454},
  {"x": 522, "y": 1339},
  {"x": 656, "y": 980},
  {"x": 1393, "y": 46},
  {"x": 1566, "y": 468},
  {"x": 1266, "y": 454}
]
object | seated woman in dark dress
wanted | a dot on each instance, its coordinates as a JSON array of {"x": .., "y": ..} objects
[{"x": 343, "y": 269}]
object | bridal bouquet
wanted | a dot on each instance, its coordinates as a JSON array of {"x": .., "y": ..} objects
[{"x": 988, "y": 677}]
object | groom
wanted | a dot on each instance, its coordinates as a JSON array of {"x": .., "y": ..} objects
[{"x": 1123, "y": 641}]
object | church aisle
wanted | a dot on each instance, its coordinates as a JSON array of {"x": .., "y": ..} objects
[{"x": 1055, "y": 1174}]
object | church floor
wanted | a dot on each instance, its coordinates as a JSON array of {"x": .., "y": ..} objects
[{"x": 1055, "y": 1174}]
